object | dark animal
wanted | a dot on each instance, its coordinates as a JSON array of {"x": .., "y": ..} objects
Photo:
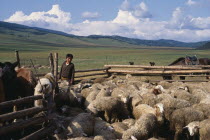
[
  {"x": 188, "y": 61},
  {"x": 131, "y": 63},
  {"x": 182, "y": 61},
  {"x": 15, "y": 84},
  {"x": 152, "y": 63}
]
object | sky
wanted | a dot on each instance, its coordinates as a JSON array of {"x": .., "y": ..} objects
[{"x": 181, "y": 20}]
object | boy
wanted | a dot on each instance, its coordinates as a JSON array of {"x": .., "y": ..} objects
[{"x": 67, "y": 70}]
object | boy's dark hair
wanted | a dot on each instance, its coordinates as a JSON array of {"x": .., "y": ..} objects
[{"x": 69, "y": 55}]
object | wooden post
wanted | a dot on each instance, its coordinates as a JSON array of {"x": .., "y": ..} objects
[
  {"x": 18, "y": 58},
  {"x": 56, "y": 67},
  {"x": 56, "y": 74},
  {"x": 107, "y": 71},
  {"x": 51, "y": 63}
]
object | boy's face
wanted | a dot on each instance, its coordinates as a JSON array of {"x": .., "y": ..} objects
[{"x": 68, "y": 59}]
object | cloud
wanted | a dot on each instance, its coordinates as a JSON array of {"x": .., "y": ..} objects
[
  {"x": 181, "y": 21},
  {"x": 142, "y": 11},
  {"x": 129, "y": 22},
  {"x": 90, "y": 15},
  {"x": 125, "y": 6},
  {"x": 191, "y": 2},
  {"x": 125, "y": 17},
  {"x": 52, "y": 19}
]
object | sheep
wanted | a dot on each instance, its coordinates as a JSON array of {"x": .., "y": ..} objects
[
  {"x": 206, "y": 100},
  {"x": 104, "y": 92},
  {"x": 149, "y": 99},
  {"x": 104, "y": 129},
  {"x": 67, "y": 97},
  {"x": 129, "y": 122},
  {"x": 183, "y": 116},
  {"x": 81, "y": 125},
  {"x": 119, "y": 128},
  {"x": 92, "y": 96},
  {"x": 165, "y": 85},
  {"x": 120, "y": 91},
  {"x": 183, "y": 94},
  {"x": 143, "y": 129},
  {"x": 45, "y": 87},
  {"x": 85, "y": 92},
  {"x": 204, "y": 108},
  {"x": 199, "y": 93},
  {"x": 170, "y": 104},
  {"x": 158, "y": 111},
  {"x": 199, "y": 129},
  {"x": 113, "y": 108}
]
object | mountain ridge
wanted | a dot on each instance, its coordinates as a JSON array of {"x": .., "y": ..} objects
[{"x": 52, "y": 37}]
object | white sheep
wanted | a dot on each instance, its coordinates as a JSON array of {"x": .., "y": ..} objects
[
  {"x": 113, "y": 107},
  {"x": 142, "y": 109},
  {"x": 82, "y": 125},
  {"x": 199, "y": 129},
  {"x": 103, "y": 129},
  {"x": 144, "y": 127},
  {"x": 44, "y": 87},
  {"x": 183, "y": 116}
]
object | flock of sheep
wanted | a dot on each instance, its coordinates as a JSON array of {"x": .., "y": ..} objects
[{"x": 127, "y": 108}]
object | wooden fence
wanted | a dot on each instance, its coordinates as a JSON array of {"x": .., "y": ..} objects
[
  {"x": 181, "y": 71},
  {"x": 21, "y": 114}
]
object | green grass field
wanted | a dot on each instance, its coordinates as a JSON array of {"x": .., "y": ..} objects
[{"x": 97, "y": 57}]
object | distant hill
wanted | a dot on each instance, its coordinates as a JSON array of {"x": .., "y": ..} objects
[
  {"x": 206, "y": 46},
  {"x": 161, "y": 42},
  {"x": 20, "y": 37}
]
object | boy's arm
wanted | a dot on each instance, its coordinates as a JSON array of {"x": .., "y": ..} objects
[{"x": 72, "y": 76}]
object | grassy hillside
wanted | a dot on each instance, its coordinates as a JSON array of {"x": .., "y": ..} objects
[
  {"x": 19, "y": 37},
  {"x": 206, "y": 46}
]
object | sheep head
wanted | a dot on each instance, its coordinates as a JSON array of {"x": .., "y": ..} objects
[
  {"x": 193, "y": 128},
  {"x": 92, "y": 109},
  {"x": 159, "y": 111},
  {"x": 44, "y": 86}
]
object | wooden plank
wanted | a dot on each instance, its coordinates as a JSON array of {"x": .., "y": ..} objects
[
  {"x": 90, "y": 75},
  {"x": 158, "y": 71},
  {"x": 90, "y": 70},
  {"x": 192, "y": 75},
  {"x": 20, "y": 101},
  {"x": 179, "y": 81},
  {"x": 21, "y": 124},
  {"x": 187, "y": 67},
  {"x": 21, "y": 113},
  {"x": 40, "y": 134}
]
